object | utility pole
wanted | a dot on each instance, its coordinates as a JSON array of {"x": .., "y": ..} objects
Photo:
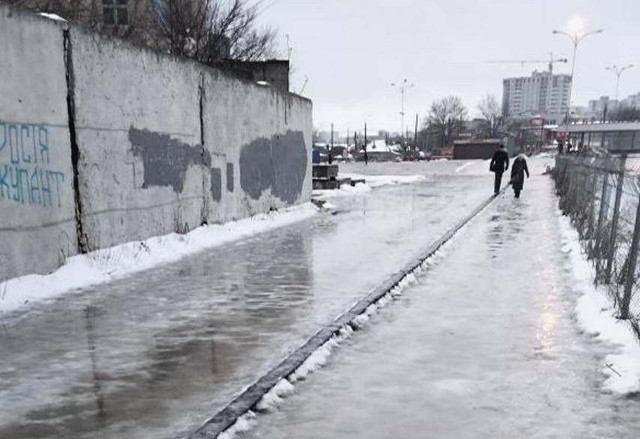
[
  {"x": 331, "y": 148},
  {"x": 415, "y": 133},
  {"x": 366, "y": 158}
]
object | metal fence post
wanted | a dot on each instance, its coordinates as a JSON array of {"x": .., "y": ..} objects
[
  {"x": 614, "y": 221},
  {"x": 599, "y": 233},
  {"x": 592, "y": 196},
  {"x": 631, "y": 267}
]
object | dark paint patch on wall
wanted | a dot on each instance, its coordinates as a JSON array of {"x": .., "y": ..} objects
[
  {"x": 279, "y": 163},
  {"x": 216, "y": 184},
  {"x": 230, "y": 177},
  {"x": 165, "y": 159}
]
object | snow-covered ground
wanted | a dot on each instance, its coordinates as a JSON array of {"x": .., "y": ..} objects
[
  {"x": 597, "y": 316},
  {"x": 126, "y": 259}
]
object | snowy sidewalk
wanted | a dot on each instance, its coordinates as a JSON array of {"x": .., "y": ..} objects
[{"x": 485, "y": 346}]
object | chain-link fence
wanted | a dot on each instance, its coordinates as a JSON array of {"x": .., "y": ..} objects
[{"x": 602, "y": 197}]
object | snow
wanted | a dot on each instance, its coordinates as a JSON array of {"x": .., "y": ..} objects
[
  {"x": 597, "y": 316},
  {"x": 244, "y": 423},
  {"x": 344, "y": 191},
  {"x": 375, "y": 181},
  {"x": 371, "y": 182},
  {"x": 51, "y": 16},
  {"x": 116, "y": 262},
  {"x": 463, "y": 167},
  {"x": 273, "y": 398}
]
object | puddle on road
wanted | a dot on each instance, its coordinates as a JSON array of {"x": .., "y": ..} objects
[{"x": 157, "y": 353}]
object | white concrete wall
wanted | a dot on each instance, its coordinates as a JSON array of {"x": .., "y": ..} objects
[
  {"x": 123, "y": 96},
  {"x": 37, "y": 222},
  {"x": 162, "y": 144},
  {"x": 238, "y": 113}
]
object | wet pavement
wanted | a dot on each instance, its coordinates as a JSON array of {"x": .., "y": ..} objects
[
  {"x": 484, "y": 346},
  {"x": 155, "y": 354}
]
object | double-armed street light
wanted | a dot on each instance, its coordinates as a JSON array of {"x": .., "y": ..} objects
[
  {"x": 403, "y": 86},
  {"x": 576, "y": 34},
  {"x": 618, "y": 72}
]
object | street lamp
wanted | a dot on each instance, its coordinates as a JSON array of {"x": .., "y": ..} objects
[
  {"x": 403, "y": 86},
  {"x": 618, "y": 72},
  {"x": 576, "y": 36}
]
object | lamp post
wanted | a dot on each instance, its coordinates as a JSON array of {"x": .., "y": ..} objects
[
  {"x": 403, "y": 86},
  {"x": 618, "y": 72},
  {"x": 576, "y": 38}
]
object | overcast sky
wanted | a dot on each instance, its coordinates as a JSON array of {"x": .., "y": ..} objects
[{"x": 352, "y": 50}]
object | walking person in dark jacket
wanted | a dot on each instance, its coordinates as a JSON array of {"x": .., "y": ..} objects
[
  {"x": 499, "y": 164},
  {"x": 518, "y": 170}
]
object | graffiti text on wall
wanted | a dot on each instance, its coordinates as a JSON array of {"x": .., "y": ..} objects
[{"x": 25, "y": 175}]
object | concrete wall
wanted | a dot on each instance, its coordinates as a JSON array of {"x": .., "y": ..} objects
[
  {"x": 138, "y": 134},
  {"x": 260, "y": 141},
  {"x": 148, "y": 144},
  {"x": 37, "y": 220}
]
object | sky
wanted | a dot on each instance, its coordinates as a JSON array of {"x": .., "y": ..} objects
[{"x": 350, "y": 51}]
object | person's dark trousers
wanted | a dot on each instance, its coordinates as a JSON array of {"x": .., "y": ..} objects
[{"x": 498, "y": 182}]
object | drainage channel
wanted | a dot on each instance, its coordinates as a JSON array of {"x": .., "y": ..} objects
[{"x": 296, "y": 365}]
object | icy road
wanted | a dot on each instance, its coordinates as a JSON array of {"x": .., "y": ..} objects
[
  {"x": 484, "y": 346},
  {"x": 156, "y": 354}
]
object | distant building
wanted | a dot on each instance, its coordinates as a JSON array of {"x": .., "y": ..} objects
[
  {"x": 273, "y": 71},
  {"x": 542, "y": 93},
  {"x": 614, "y": 137},
  {"x": 475, "y": 148},
  {"x": 597, "y": 107},
  {"x": 130, "y": 19},
  {"x": 632, "y": 101}
]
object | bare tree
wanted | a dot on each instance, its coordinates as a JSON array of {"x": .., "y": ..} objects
[
  {"x": 132, "y": 22},
  {"x": 491, "y": 115},
  {"x": 626, "y": 114},
  {"x": 212, "y": 30},
  {"x": 447, "y": 115},
  {"x": 205, "y": 30}
]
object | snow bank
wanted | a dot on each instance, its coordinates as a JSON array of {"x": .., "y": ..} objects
[
  {"x": 344, "y": 191},
  {"x": 244, "y": 423},
  {"x": 372, "y": 181},
  {"x": 274, "y": 397},
  {"x": 116, "y": 262},
  {"x": 597, "y": 316}
]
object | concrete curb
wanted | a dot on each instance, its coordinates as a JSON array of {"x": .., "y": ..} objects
[{"x": 251, "y": 396}]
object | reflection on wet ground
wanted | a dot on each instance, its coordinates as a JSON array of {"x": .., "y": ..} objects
[
  {"x": 488, "y": 351},
  {"x": 154, "y": 355}
]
